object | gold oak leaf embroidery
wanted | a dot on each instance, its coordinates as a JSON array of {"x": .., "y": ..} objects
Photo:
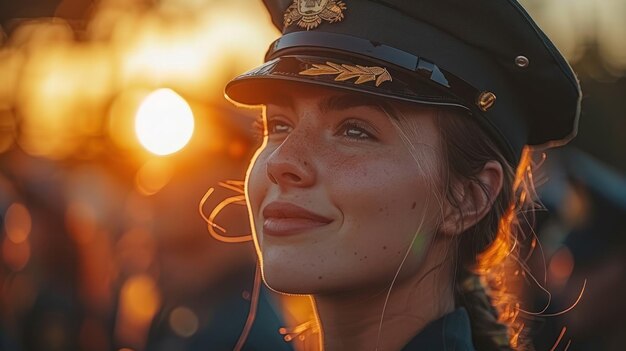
[
  {"x": 310, "y": 13},
  {"x": 344, "y": 72}
]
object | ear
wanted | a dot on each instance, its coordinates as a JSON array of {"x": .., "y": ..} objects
[{"x": 473, "y": 201}]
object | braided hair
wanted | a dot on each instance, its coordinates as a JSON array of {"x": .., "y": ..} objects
[
  {"x": 488, "y": 264},
  {"x": 489, "y": 267}
]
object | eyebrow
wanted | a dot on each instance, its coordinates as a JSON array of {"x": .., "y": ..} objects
[
  {"x": 334, "y": 102},
  {"x": 346, "y": 101}
]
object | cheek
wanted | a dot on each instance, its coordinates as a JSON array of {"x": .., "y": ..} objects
[
  {"x": 380, "y": 189},
  {"x": 383, "y": 203},
  {"x": 379, "y": 198}
]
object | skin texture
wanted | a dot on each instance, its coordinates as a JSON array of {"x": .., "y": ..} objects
[{"x": 339, "y": 156}]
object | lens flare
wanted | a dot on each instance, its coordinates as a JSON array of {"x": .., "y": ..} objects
[{"x": 164, "y": 122}]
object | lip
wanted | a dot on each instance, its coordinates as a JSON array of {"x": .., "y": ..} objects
[{"x": 284, "y": 218}]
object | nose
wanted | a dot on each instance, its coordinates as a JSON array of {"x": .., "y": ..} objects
[{"x": 289, "y": 164}]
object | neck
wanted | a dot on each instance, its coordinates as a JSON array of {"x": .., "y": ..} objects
[{"x": 351, "y": 320}]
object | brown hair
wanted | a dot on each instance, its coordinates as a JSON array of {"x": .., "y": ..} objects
[{"x": 488, "y": 262}]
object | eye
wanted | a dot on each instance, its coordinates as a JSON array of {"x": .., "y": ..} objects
[
  {"x": 274, "y": 126},
  {"x": 356, "y": 130},
  {"x": 351, "y": 129},
  {"x": 258, "y": 131},
  {"x": 277, "y": 126}
]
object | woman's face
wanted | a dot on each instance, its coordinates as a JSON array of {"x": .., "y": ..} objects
[{"x": 334, "y": 194}]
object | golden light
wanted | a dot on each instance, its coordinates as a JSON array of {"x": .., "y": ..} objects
[
  {"x": 57, "y": 106},
  {"x": 164, "y": 122},
  {"x": 140, "y": 300},
  {"x": 153, "y": 176},
  {"x": 17, "y": 223}
]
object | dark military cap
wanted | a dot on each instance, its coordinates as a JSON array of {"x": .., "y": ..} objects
[{"x": 484, "y": 56}]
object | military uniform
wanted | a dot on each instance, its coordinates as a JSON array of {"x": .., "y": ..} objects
[{"x": 451, "y": 332}]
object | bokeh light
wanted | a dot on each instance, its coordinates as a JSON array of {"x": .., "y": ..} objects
[
  {"x": 17, "y": 223},
  {"x": 139, "y": 298},
  {"x": 164, "y": 123},
  {"x": 183, "y": 321},
  {"x": 153, "y": 176},
  {"x": 561, "y": 266}
]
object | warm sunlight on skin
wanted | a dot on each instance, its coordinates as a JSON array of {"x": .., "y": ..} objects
[{"x": 164, "y": 122}]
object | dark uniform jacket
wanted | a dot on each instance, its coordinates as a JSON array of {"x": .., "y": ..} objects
[{"x": 451, "y": 332}]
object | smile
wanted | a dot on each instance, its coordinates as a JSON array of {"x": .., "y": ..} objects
[
  {"x": 289, "y": 226},
  {"x": 283, "y": 218}
]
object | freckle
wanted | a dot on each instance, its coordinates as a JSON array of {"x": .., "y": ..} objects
[
  {"x": 306, "y": 164},
  {"x": 380, "y": 209},
  {"x": 319, "y": 277},
  {"x": 365, "y": 257},
  {"x": 398, "y": 252},
  {"x": 414, "y": 203},
  {"x": 354, "y": 253},
  {"x": 384, "y": 247}
]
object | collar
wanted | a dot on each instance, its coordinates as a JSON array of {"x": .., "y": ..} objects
[{"x": 451, "y": 332}]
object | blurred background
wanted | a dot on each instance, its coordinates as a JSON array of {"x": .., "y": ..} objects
[{"x": 113, "y": 125}]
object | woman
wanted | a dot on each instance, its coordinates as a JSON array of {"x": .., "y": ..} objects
[{"x": 386, "y": 184}]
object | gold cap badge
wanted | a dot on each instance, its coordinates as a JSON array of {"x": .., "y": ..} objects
[
  {"x": 345, "y": 72},
  {"x": 310, "y": 13}
]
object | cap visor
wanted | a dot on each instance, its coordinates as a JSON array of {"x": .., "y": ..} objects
[{"x": 257, "y": 85}]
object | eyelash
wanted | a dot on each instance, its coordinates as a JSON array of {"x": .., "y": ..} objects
[
  {"x": 358, "y": 126},
  {"x": 259, "y": 131},
  {"x": 257, "y": 128}
]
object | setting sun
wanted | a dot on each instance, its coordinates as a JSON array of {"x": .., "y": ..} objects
[{"x": 164, "y": 122}]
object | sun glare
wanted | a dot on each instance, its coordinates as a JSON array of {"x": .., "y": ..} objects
[{"x": 164, "y": 122}]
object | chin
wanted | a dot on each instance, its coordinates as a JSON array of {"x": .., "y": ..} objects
[
  {"x": 283, "y": 279},
  {"x": 285, "y": 282},
  {"x": 287, "y": 285},
  {"x": 307, "y": 283},
  {"x": 287, "y": 289}
]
